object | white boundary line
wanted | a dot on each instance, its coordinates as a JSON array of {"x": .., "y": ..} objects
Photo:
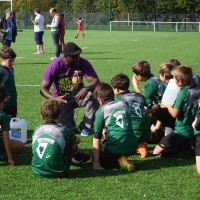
[{"x": 27, "y": 85}]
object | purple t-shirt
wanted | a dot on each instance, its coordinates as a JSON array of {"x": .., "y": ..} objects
[{"x": 67, "y": 80}]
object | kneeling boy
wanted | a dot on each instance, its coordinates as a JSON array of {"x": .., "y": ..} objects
[{"x": 120, "y": 140}]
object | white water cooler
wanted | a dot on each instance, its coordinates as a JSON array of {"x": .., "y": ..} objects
[{"x": 18, "y": 129}]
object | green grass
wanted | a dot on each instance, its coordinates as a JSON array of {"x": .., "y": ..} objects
[{"x": 109, "y": 53}]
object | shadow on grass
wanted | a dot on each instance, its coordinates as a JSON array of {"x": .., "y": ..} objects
[
  {"x": 154, "y": 163},
  {"x": 86, "y": 171},
  {"x": 25, "y": 157},
  {"x": 105, "y": 58}
]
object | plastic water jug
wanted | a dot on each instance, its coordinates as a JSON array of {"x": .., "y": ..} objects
[
  {"x": 18, "y": 129},
  {"x": 170, "y": 93}
]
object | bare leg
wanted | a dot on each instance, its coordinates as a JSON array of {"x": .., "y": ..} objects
[
  {"x": 16, "y": 146},
  {"x": 198, "y": 164},
  {"x": 77, "y": 34}
]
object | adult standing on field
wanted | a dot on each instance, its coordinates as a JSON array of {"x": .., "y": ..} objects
[
  {"x": 66, "y": 75},
  {"x": 38, "y": 23},
  {"x": 55, "y": 31},
  {"x": 8, "y": 29}
]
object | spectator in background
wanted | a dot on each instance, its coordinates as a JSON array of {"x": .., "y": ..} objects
[
  {"x": 62, "y": 32},
  {"x": 38, "y": 23},
  {"x": 8, "y": 29},
  {"x": 80, "y": 27},
  {"x": 55, "y": 31}
]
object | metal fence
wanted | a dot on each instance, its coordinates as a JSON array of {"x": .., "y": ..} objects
[{"x": 101, "y": 21}]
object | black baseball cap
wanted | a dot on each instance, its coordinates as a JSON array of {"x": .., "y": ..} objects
[{"x": 71, "y": 49}]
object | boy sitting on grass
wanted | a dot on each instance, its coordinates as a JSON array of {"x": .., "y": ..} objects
[
  {"x": 120, "y": 140},
  {"x": 165, "y": 122},
  {"x": 140, "y": 121},
  {"x": 54, "y": 146},
  {"x": 196, "y": 126},
  {"x": 7, "y": 145},
  {"x": 153, "y": 87},
  {"x": 179, "y": 139}
]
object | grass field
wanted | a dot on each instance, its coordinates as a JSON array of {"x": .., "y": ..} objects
[{"x": 110, "y": 53}]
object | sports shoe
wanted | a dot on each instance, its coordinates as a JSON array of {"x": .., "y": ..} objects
[
  {"x": 84, "y": 130},
  {"x": 142, "y": 149},
  {"x": 81, "y": 157},
  {"x": 53, "y": 58},
  {"x": 125, "y": 164}
]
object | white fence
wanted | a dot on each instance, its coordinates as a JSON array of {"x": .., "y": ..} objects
[{"x": 154, "y": 26}]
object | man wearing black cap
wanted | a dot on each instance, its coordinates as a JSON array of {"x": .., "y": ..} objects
[
  {"x": 8, "y": 29},
  {"x": 66, "y": 74}
]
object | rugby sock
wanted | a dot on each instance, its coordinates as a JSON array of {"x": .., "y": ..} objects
[{"x": 125, "y": 164}]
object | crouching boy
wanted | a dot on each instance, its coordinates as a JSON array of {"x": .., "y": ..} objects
[{"x": 120, "y": 141}]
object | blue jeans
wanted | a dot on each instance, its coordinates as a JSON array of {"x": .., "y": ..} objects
[{"x": 55, "y": 37}]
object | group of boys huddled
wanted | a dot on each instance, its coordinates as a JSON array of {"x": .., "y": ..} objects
[{"x": 124, "y": 123}]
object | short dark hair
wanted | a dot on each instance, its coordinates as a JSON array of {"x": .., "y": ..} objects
[
  {"x": 174, "y": 62},
  {"x": 184, "y": 74},
  {"x": 142, "y": 68},
  {"x": 120, "y": 81},
  {"x": 50, "y": 110},
  {"x": 3, "y": 93},
  {"x": 37, "y": 10},
  {"x": 104, "y": 91},
  {"x": 7, "y": 53},
  {"x": 166, "y": 69}
]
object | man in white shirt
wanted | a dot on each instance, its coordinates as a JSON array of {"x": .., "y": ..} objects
[{"x": 38, "y": 23}]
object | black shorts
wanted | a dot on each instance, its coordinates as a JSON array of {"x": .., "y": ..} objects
[
  {"x": 197, "y": 148},
  {"x": 174, "y": 142},
  {"x": 38, "y": 37},
  {"x": 108, "y": 160},
  {"x": 11, "y": 111},
  {"x": 163, "y": 115},
  {"x": 2, "y": 147}
]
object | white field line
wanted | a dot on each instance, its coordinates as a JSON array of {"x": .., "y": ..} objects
[{"x": 27, "y": 85}]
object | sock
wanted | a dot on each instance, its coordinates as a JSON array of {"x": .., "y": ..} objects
[{"x": 158, "y": 155}]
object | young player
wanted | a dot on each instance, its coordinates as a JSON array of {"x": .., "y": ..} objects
[
  {"x": 179, "y": 139},
  {"x": 54, "y": 146},
  {"x": 137, "y": 102},
  {"x": 196, "y": 126},
  {"x": 7, "y": 146},
  {"x": 164, "y": 119},
  {"x": 153, "y": 87},
  {"x": 62, "y": 32},
  {"x": 8, "y": 81},
  {"x": 120, "y": 140},
  {"x": 80, "y": 27}
]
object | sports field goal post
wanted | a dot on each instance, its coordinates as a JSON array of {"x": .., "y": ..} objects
[{"x": 154, "y": 26}]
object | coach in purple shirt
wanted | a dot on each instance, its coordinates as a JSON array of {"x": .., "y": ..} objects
[{"x": 66, "y": 74}]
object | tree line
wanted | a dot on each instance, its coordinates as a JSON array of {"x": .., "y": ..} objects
[{"x": 111, "y": 6}]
